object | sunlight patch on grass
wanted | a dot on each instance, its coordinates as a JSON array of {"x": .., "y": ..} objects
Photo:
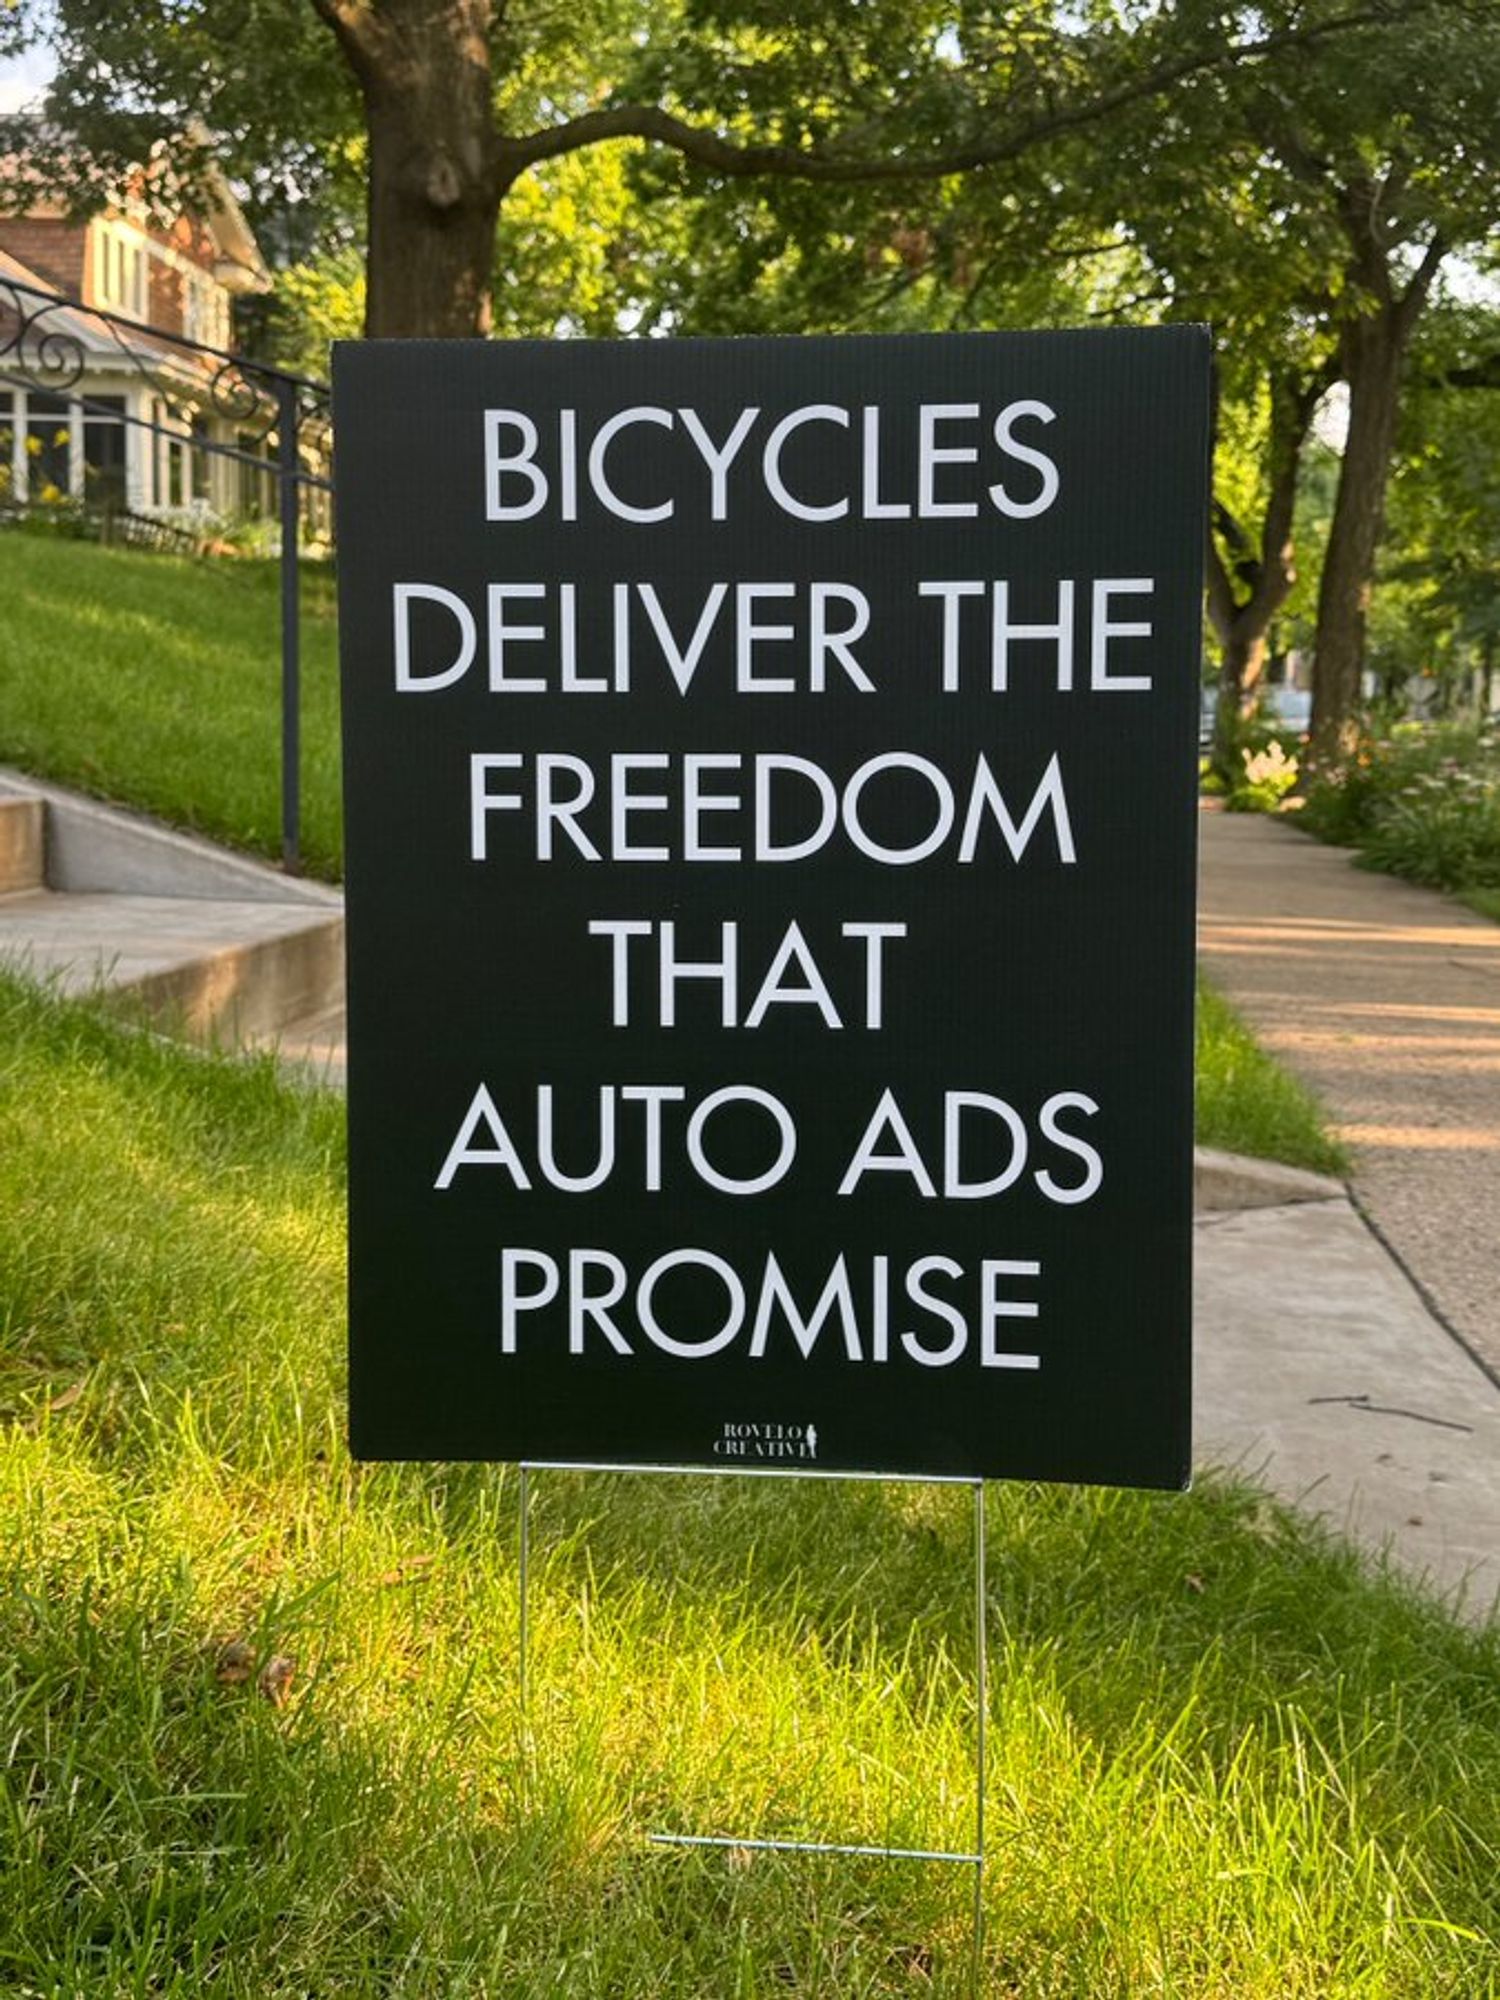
[
  {"x": 155, "y": 681},
  {"x": 1246, "y": 1103},
  {"x": 1227, "y": 1757}
]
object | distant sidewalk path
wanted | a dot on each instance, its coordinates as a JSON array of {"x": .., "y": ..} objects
[{"x": 1385, "y": 999}]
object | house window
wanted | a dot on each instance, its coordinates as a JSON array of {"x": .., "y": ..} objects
[
  {"x": 119, "y": 269},
  {"x": 172, "y": 479},
  {"x": 205, "y": 314},
  {"x": 202, "y": 464},
  {"x": 7, "y": 448},
  {"x": 161, "y": 456},
  {"x": 104, "y": 453},
  {"x": 47, "y": 442},
  {"x": 254, "y": 484}
]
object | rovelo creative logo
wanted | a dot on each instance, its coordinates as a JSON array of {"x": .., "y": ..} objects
[{"x": 797, "y": 1442}]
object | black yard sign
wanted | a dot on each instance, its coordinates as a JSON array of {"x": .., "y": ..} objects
[{"x": 770, "y": 783}]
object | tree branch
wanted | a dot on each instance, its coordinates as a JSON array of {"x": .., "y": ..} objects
[
  {"x": 354, "y": 28},
  {"x": 1295, "y": 154},
  {"x": 1221, "y": 604},
  {"x": 1355, "y": 201},
  {"x": 708, "y": 148},
  {"x": 1236, "y": 535},
  {"x": 1292, "y": 406},
  {"x": 1483, "y": 374},
  {"x": 1414, "y": 297},
  {"x": 1266, "y": 577}
]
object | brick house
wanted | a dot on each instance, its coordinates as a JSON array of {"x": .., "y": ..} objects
[{"x": 92, "y": 439}]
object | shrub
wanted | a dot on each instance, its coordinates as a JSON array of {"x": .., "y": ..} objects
[
  {"x": 1269, "y": 775},
  {"x": 1423, "y": 803},
  {"x": 1444, "y": 830},
  {"x": 1340, "y": 803},
  {"x": 1343, "y": 805}
]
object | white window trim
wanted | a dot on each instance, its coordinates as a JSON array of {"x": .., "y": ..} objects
[{"x": 120, "y": 244}]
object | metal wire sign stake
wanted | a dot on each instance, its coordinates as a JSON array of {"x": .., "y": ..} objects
[{"x": 756, "y": 1843}]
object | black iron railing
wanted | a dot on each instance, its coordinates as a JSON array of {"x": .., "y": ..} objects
[{"x": 282, "y": 423}]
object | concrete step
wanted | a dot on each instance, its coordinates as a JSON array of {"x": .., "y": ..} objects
[
  {"x": 218, "y": 969},
  {"x": 193, "y": 937},
  {"x": 95, "y": 848},
  {"x": 22, "y": 844},
  {"x": 316, "y": 1044}
]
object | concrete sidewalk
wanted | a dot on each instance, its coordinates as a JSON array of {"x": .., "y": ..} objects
[
  {"x": 1321, "y": 1373},
  {"x": 1385, "y": 999},
  {"x": 1322, "y": 1376}
]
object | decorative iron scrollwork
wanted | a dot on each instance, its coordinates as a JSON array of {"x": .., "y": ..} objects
[
  {"x": 33, "y": 344},
  {"x": 38, "y": 348},
  {"x": 254, "y": 400},
  {"x": 239, "y": 392}
]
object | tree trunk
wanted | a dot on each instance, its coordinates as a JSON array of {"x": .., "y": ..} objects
[
  {"x": 1243, "y": 664},
  {"x": 1374, "y": 347},
  {"x": 435, "y": 173},
  {"x": 1245, "y": 659},
  {"x": 1243, "y": 604}
]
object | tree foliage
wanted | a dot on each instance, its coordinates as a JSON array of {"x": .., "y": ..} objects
[
  {"x": 1438, "y": 612},
  {"x": 459, "y": 100},
  {"x": 1298, "y": 171},
  {"x": 1310, "y": 210}
]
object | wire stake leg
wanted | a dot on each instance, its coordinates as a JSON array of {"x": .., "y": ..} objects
[
  {"x": 524, "y": 1637},
  {"x": 981, "y": 1727},
  {"x": 975, "y": 1860}
]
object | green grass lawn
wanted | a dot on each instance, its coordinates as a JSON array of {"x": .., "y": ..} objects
[
  {"x": 1246, "y": 1103},
  {"x": 1226, "y": 1761},
  {"x": 155, "y": 681}
]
